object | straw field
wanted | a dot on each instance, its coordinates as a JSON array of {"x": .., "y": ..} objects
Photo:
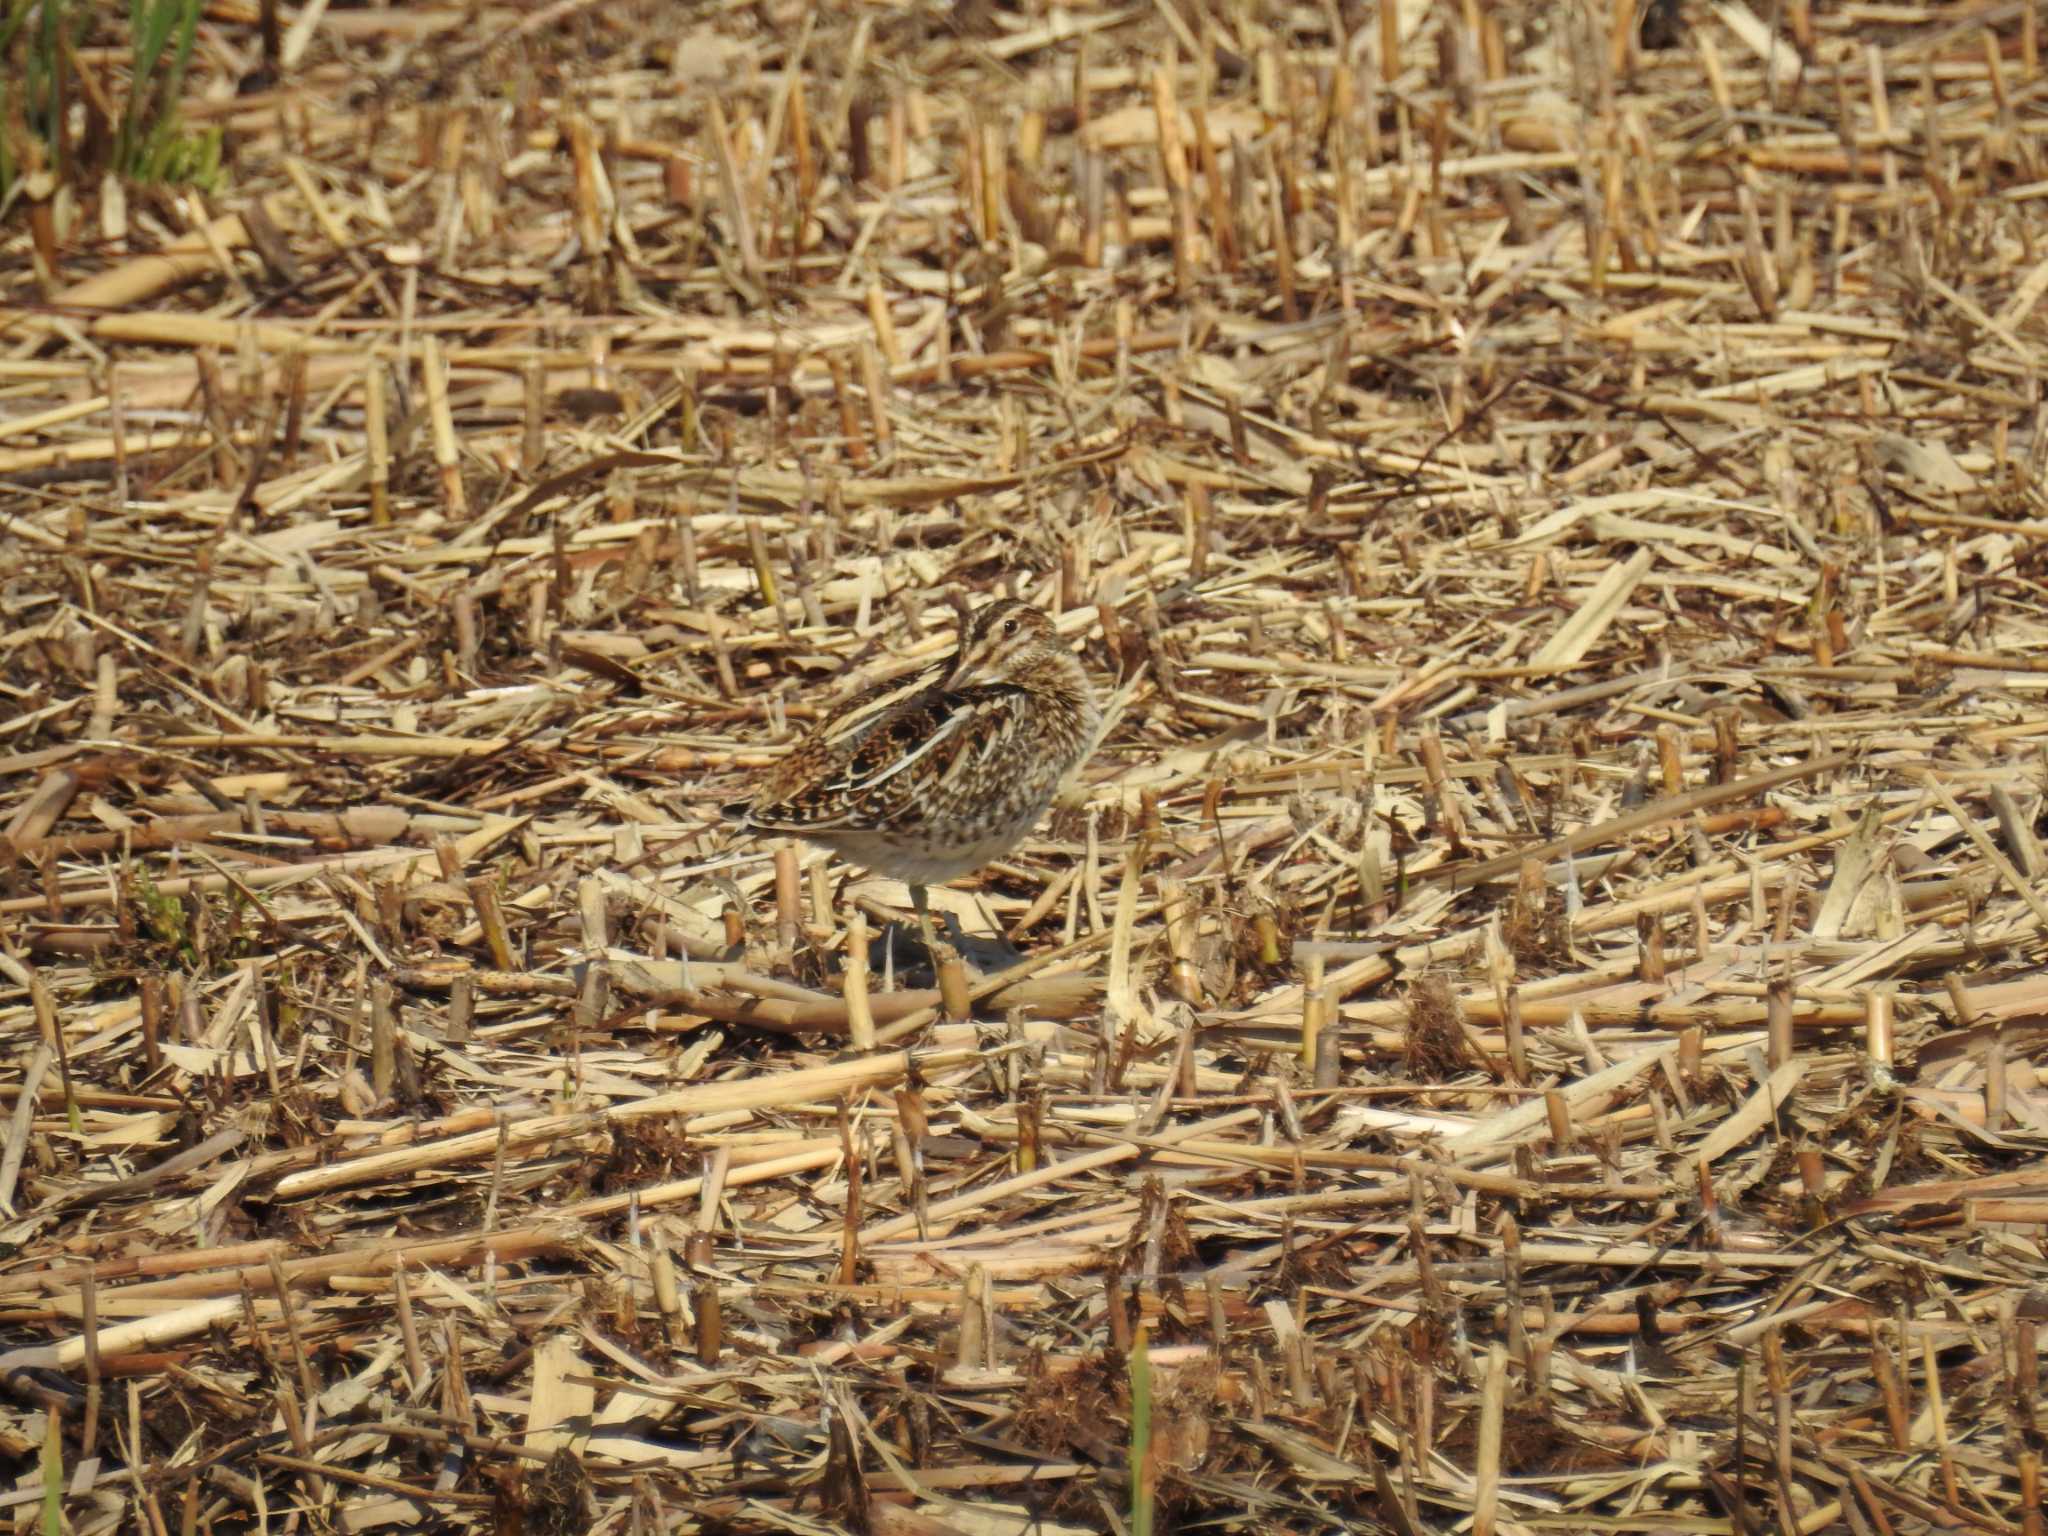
[{"x": 1531, "y": 1021}]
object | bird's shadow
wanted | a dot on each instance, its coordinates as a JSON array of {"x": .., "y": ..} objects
[{"x": 914, "y": 965}]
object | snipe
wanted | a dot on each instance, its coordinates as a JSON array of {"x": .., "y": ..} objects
[{"x": 925, "y": 780}]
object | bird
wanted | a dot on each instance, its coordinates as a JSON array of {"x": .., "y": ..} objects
[{"x": 928, "y": 779}]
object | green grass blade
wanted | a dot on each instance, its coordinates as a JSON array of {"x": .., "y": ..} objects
[
  {"x": 53, "y": 1476},
  {"x": 11, "y": 21},
  {"x": 1141, "y": 1437},
  {"x": 149, "y": 144}
]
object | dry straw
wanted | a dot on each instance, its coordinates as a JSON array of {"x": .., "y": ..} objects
[{"x": 1533, "y": 1016}]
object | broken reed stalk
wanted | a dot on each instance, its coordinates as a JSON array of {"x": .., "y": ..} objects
[
  {"x": 377, "y": 438},
  {"x": 854, "y": 982},
  {"x": 447, "y": 457}
]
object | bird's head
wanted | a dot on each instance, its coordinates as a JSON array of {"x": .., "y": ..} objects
[{"x": 1001, "y": 643}]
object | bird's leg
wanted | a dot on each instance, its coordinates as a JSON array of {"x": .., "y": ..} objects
[{"x": 919, "y": 900}]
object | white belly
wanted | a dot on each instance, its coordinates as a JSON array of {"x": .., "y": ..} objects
[{"x": 918, "y": 859}]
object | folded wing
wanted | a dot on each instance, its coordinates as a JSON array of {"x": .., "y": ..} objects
[{"x": 890, "y": 762}]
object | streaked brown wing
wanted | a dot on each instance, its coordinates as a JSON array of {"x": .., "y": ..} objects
[
  {"x": 791, "y": 798},
  {"x": 876, "y": 774},
  {"x": 950, "y": 763}
]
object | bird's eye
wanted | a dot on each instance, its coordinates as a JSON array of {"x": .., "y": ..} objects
[{"x": 1009, "y": 626}]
